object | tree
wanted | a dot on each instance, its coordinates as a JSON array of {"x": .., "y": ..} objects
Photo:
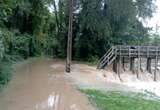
[
  {"x": 69, "y": 44},
  {"x": 103, "y": 23},
  {"x": 98, "y": 24}
]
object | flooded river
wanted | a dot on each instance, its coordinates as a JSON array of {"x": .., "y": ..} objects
[{"x": 42, "y": 85}]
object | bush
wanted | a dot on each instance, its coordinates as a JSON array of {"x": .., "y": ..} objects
[
  {"x": 5, "y": 73},
  {"x": 93, "y": 60},
  {"x": 21, "y": 45},
  {"x": 16, "y": 43},
  {"x": 2, "y": 49}
]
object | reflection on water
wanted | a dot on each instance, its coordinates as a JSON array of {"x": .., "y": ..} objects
[{"x": 50, "y": 104}]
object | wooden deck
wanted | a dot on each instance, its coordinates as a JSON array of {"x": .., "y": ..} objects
[{"x": 116, "y": 54}]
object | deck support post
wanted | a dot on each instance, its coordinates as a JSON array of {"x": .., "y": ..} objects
[
  {"x": 123, "y": 63},
  {"x": 120, "y": 63},
  {"x": 115, "y": 65},
  {"x": 149, "y": 61},
  {"x": 141, "y": 65},
  {"x": 155, "y": 71},
  {"x": 156, "y": 63},
  {"x": 138, "y": 67},
  {"x": 119, "y": 67},
  {"x": 132, "y": 64}
]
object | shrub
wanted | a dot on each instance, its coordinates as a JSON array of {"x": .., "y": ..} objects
[
  {"x": 16, "y": 43},
  {"x": 21, "y": 45},
  {"x": 5, "y": 73},
  {"x": 2, "y": 49},
  {"x": 93, "y": 60}
]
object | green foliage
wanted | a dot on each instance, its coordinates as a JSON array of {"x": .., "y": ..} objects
[
  {"x": 15, "y": 43},
  {"x": 121, "y": 100},
  {"x": 96, "y": 26},
  {"x": 6, "y": 10},
  {"x": 102, "y": 23},
  {"x": 21, "y": 45},
  {"x": 2, "y": 48},
  {"x": 5, "y": 73},
  {"x": 93, "y": 60},
  {"x": 156, "y": 39}
]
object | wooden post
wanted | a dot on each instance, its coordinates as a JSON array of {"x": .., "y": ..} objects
[
  {"x": 138, "y": 71},
  {"x": 155, "y": 71},
  {"x": 123, "y": 63},
  {"x": 132, "y": 64},
  {"x": 115, "y": 65},
  {"x": 141, "y": 65},
  {"x": 156, "y": 62},
  {"x": 119, "y": 64},
  {"x": 69, "y": 43},
  {"x": 149, "y": 61},
  {"x": 118, "y": 67}
]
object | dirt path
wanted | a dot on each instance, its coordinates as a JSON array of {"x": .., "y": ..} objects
[{"x": 42, "y": 85}]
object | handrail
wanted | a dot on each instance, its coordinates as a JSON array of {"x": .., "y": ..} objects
[
  {"x": 106, "y": 53},
  {"x": 107, "y": 57},
  {"x": 104, "y": 56}
]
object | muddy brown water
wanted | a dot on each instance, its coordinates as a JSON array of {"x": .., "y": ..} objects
[{"x": 42, "y": 85}]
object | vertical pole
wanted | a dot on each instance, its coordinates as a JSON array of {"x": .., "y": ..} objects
[
  {"x": 119, "y": 64},
  {"x": 118, "y": 67},
  {"x": 141, "y": 64},
  {"x": 149, "y": 65},
  {"x": 138, "y": 71},
  {"x": 69, "y": 43},
  {"x": 132, "y": 66},
  {"x": 115, "y": 66},
  {"x": 123, "y": 63},
  {"x": 156, "y": 62},
  {"x": 148, "y": 60}
]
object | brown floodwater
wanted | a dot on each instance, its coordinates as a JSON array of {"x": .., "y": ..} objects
[{"x": 42, "y": 84}]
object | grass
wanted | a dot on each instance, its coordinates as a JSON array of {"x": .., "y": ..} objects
[{"x": 121, "y": 100}]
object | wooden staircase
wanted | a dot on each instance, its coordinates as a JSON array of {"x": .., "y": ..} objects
[{"x": 108, "y": 58}]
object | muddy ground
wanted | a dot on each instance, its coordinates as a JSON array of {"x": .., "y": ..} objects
[{"x": 42, "y": 84}]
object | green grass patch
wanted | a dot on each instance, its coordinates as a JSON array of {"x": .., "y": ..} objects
[{"x": 121, "y": 100}]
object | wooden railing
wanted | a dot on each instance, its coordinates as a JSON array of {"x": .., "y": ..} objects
[
  {"x": 108, "y": 58},
  {"x": 135, "y": 51}
]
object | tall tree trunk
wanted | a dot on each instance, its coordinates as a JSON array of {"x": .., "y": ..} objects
[
  {"x": 56, "y": 17},
  {"x": 69, "y": 43}
]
